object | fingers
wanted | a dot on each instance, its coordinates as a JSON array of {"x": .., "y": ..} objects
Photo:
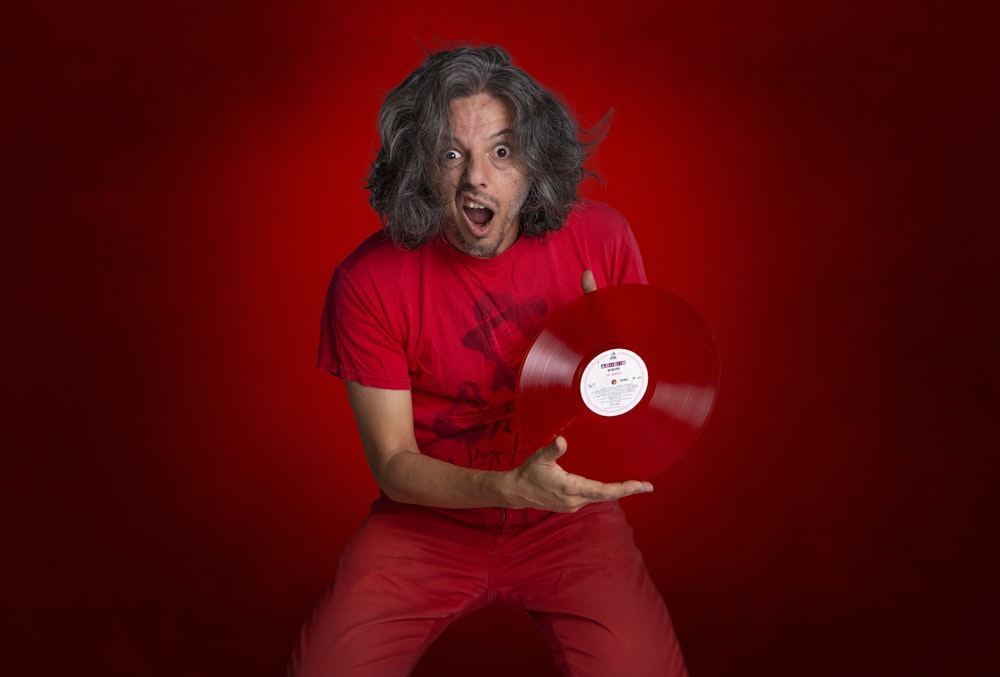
[
  {"x": 587, "y": 282},
  {"x": 600, "y": 491}
]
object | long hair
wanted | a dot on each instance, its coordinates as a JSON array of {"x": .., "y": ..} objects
[{"x": 414, "y": 123}]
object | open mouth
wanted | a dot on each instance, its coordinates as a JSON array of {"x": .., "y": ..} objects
[{"x": 479, "y": 215}]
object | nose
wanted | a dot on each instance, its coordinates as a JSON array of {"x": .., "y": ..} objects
[{"x": 477, "y": 171}]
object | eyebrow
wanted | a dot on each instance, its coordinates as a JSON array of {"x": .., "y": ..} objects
[{"x": 503, "y": 132}]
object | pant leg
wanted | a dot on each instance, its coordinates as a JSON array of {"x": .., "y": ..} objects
[
  {"x": 585, "y": 583},
  {"x": 401, "y": 579}
]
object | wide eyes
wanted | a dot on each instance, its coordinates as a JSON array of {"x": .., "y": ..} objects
[{"x": 500, "y": 152}]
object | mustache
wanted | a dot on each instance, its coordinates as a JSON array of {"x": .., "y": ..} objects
[{"x": 469, "y": 191}]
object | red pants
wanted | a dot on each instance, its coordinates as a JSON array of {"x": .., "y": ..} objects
[{"x": 410, "y": 571}]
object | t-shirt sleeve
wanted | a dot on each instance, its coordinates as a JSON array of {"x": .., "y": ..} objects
[
  {"x": 357, "y": 341},
  {"x": 616, "y": 248},
  {"x": 630, "y": 267}
]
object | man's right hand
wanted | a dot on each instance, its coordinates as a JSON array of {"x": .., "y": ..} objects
[{"x": 541, "y": 483}]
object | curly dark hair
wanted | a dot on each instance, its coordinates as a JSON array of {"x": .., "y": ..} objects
[{"x": 414, "y": 124}]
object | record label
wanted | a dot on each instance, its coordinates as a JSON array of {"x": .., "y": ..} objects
[{"x": 614, "y": 382}]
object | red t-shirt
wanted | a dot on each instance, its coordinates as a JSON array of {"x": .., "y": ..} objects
[{"x": 453, "y": 328}]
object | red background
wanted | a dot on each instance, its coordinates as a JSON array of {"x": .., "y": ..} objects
[{"x": 182, "y": 178}]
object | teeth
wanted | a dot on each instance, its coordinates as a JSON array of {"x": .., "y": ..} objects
[{"x": 473, "y": 205}]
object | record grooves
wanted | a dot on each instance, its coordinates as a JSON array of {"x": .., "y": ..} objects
[{"x": 628, "y": 374}]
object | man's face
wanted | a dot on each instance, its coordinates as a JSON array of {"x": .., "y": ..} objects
[{"x": 482, "y": 184}]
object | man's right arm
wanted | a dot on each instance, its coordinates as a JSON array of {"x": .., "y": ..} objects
[{"x": 385, "y": 422}]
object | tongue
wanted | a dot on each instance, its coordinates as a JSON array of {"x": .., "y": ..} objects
[{"x": 480, "y": 217}]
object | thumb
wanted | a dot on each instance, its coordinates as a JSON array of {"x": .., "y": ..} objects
[
  {"x": 587, "y": 282},
  {"x": 554, "y": 450}
]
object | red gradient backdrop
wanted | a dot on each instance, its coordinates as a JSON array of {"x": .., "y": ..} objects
[{"x": 181, "y": 179}]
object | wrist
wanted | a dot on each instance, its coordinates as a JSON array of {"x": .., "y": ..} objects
[{"x": 500, "y": 488}]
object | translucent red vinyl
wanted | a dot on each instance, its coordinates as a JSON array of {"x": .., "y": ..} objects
[{"x": 628, "y": 374}]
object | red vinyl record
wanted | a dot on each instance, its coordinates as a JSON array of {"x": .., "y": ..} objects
[{"x": 628, "y": 374}]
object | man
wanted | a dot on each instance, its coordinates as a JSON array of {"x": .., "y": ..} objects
[{"x": 428, "y": 321}]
